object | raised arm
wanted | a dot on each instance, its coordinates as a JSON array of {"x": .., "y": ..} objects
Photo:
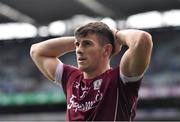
[
  {"x": 45, "y": 54},
  {"x": 137, "y": 57}
]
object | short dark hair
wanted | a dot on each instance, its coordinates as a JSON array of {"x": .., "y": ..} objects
[{"x": 100, "y": 29}]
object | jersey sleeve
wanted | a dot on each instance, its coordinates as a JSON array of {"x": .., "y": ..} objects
[
  {"x": 131, "y": 84},
  {"x": 58, "y": 73},
  {"x": 64, "y": 73},
  {"x": 127, "y": 79}
]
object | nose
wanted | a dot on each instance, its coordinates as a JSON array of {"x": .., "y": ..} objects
[{"x": 79, "y": 50}]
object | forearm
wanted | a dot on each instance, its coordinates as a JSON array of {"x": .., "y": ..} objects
[
  {"x": 137, "y": 57},
  {"x": 133, "y": 38},
  {"x": 45, "y": 54},
  {"x": 54, "y": 47}
]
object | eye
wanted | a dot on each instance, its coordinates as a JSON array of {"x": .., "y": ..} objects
[
  {"x": 76, "y": 44},
  {"x": 87, "y": 43}
]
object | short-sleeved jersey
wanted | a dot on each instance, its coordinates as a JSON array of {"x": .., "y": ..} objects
[{"x": 105, "y": 97}]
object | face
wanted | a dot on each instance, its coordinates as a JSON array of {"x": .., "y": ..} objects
[{"x": 89, "y": 53}]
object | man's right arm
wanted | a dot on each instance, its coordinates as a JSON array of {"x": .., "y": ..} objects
[{"x": 45, "y": 54}]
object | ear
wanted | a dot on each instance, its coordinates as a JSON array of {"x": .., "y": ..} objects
[{"x": 107, "y": 49}]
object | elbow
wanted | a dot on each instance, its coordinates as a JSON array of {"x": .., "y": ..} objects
[
  {"x": 33, "y": 51},
  {"x": 145, "y": 41},
  {"x": 148, "y": 40}
]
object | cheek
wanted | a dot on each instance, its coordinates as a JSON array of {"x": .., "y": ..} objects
[{"x": 95, "y": 55}]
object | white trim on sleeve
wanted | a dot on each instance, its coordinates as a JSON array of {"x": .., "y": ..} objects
[
  {"x": 127, "y": 79},
  {"x": 59, "y": 73}
]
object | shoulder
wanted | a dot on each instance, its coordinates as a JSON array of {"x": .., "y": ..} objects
[
  {"x": 112, "y": 73},
  {"x": 116, "y": 73},
  {"x": 69, "y": 70},
  {"x": 64, "y": 71}
]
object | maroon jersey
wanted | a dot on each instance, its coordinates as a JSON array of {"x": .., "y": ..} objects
[{"x": 105, "y": 97}]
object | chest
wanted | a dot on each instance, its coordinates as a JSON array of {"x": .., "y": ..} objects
[{"x": 86, "y": 95}]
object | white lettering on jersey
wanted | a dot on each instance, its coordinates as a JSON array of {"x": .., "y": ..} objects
[
  {"x": 83, "y": 94},
  {"x": 86, "y": 105},
  {"x": 84, "y": 88},
  {"x": 76, "y": 85},
  {"x": 98, "y": 96}
]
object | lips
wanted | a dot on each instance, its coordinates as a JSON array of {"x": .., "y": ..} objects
[{"x": 81, "y": 59}]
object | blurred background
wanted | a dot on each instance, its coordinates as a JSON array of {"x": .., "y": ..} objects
[{"x": 26, "y": 95}]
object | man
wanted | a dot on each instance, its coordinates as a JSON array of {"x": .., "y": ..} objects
[{"x": 95, "y": 91}]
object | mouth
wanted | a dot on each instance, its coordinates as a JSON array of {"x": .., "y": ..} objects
[{"x": 81, "y": 59}]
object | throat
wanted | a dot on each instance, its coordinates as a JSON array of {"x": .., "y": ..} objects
[{"x": 95, "y": 73}]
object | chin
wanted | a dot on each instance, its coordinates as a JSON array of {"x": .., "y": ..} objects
[{"x": 82, "y": 68}]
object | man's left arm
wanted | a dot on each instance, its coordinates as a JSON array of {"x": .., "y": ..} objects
[{"x": 137, "y": 57}]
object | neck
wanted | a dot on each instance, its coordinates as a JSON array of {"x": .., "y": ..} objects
[{"x": 97, "y": 72}]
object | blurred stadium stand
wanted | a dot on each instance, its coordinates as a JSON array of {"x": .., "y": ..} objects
[
  {"x": 23, "y": 89},
  {"x": 26, "y": 95}
]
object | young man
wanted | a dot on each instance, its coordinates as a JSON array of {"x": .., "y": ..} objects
[{"x": 95, "y": 91}]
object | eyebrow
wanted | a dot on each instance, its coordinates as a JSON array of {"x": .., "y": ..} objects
[{"x": 84, "y": 40}]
